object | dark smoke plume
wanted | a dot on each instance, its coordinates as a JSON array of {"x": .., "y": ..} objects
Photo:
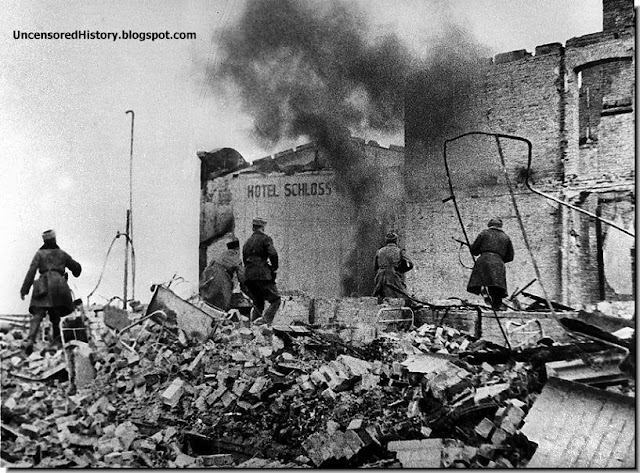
[{"x": 306, "y": 69}]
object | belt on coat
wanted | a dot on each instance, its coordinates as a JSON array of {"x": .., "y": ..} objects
[{"x": 493, "y": 253}]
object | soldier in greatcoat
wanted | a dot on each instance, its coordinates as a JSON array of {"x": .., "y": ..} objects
[
  {"x": 494, "y": 248},
  {"x": 51, "y": 294},
  {"x": 261, "y": 265},
  {"x": 216, "y": 282},
  {"x": 390, "y": 264}
]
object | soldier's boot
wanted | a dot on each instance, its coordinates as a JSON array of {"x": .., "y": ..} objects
[{"x": 270, "y": 313}]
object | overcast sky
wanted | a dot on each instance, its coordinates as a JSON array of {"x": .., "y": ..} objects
[{"x": 66, "y": 136}]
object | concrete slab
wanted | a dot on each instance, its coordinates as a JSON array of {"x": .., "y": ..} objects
[
  {"x": 425, "y": 453},
  {"x": 577, "y": 426}
]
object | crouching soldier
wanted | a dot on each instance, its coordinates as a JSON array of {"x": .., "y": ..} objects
[{"x": 216, "y": 282}]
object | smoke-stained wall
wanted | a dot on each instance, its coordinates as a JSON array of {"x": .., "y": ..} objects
[{"x": 312, "y": 218}]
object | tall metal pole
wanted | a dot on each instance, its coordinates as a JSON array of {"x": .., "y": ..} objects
[
  {"x": 129, "y": 230},
  {"x": 126, "y": 260}
]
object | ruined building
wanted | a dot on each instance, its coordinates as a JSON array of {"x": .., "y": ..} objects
[
  {"x": 311, "y": 214},
  {"x": 573, "y": 102}
]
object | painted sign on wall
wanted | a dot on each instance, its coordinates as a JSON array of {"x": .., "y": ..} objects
[{"x": 289, "y": 189}]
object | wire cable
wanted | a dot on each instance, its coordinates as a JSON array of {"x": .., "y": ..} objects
[{"x": 133, "y": 263}]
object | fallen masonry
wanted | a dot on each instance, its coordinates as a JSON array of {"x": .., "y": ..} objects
[{"x": 159, "y": 391}]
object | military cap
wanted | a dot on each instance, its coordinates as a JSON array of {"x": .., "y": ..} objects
[
  {"x": 495, "y": 222},
  {"x": 49, "y": 235}
]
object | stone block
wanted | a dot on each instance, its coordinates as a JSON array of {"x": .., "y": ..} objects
[
  {"x": 446, "y": 384},
  {"x": 31, "y": 431},
  {"x": 353, "y": 440},
  {"x": 368, "y": 381},
  {"x": 293, "y": 308},
  {"x": 171, "y": 395},
  {"x": 324, "y": 311},
  {"x": 517, "y": 403},
  {"x": 499, "y": 436},
  {"x": 508, "y": 426},
  {"x": 425, "y": 453},
  {"x": 514, "y": 414},
  {"x": 318, "y": 378},
  {"x": 413, "y": 409},
  {"x": 239, "y": 387},
  {"x": 258, "y": 385},
  {"x": 218, "y": 460},
  {"x": 490, "y": 391},
  {"x": 355, "y": 424},
  {"x": 184, "y": 461},
  {"x": 452, "y": 454},
  {"x": 484, "y": 428},
  {"x": 112, "y": 458},
  {"x": 486, "y": 450},
  {"x": 487, "y": 367},
  {"x": 317, "y": 448},
  {"x": 332, "y": 378},
  {"x": 127, "y": 433},
  {"x": 84, "y": 371},
  {"x": 215, "y": 396},
  {"x": 329, "y": 394},
  {"x": 115, "y": 318},
  {"x": 227, "y": 398},
  {"x": 340, "y": 369}
]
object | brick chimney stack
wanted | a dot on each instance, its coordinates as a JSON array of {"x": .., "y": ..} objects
[{"x": 617, "y": 14}]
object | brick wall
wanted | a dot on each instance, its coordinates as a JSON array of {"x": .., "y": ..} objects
[
  {"x": 520, "y": 98},
  {"x": 591, "y": 277},
  {"x": 438, "y": 272},
  {"x": 613, "y": 152},
  {"x": 539, "y": 98},
  {"x": 617, "y": 13}
]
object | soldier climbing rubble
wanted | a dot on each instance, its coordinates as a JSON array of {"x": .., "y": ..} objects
[
  {"x": 489, "y": 274},
  {"x": 261, "y": 265},
  {"x": 51, "y": 294}
]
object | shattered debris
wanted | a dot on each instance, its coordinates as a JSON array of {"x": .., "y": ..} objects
[{"x": 228, "y": 394}]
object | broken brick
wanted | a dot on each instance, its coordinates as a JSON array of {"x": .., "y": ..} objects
[
  {"x": 499, "y": 437},
  {"x": 355, "y": 366},
  {"x": 484, "y": 428},
  {"x": 489, "y": 391},
  {"x": 172, "y": 394},
  {"x": 258, "y": 385},
  {"x": 425, "y": 453},
  {"x": 355, "y": 424},
  {"x": 217, "y": 460},
  {"x": 329, "y": 394}
]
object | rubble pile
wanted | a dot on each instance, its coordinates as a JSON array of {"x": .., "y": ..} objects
[{"x": 262, "y": 397}]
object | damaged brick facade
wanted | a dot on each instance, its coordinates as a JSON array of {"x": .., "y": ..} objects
[{"x": 575, "y": 104}]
